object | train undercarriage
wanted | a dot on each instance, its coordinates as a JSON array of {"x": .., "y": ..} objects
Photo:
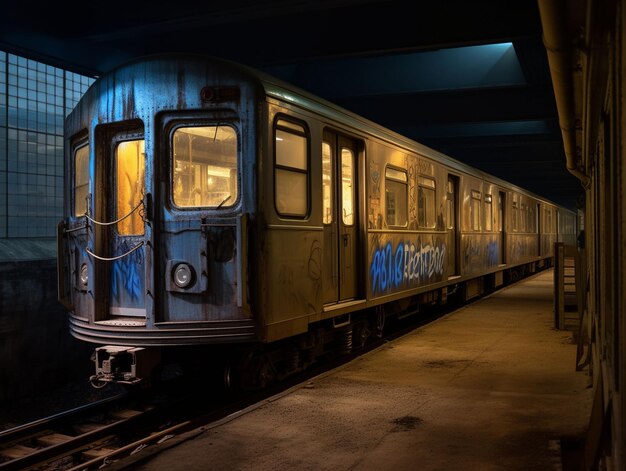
[{"x": 253, "y": 366}]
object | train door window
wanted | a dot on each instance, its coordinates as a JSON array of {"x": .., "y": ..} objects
[
  {"x": 81, "y": 180},
  {"x": 396, "y": 197},
  {"x": 515, "y": 216},
  {"x": 205, "y": 166},
  {"x": 548, "y": 225},
  {"x": 327, "y": 184},
  {"x": 500, "y": 213},
  {"x": 426, "y": 202},
  {"x": 130, "y": 169},
  {"x": 488, "y": 213},
  {"x": 450, "y": 205},
  {"x": 347, "y": 186},
  {"x": 475, "y": 210},
  {"x": 291, "y": 170}
]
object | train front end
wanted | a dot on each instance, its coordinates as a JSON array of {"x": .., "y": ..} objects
[{"x": 159, "y": 196}]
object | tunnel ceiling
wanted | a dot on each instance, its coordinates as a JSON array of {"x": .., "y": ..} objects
[{"x": 469, "y": 79}]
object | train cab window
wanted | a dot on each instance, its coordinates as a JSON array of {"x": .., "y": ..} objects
[
  {"x": 327, "y": 184},
  {"x": 205, "y": 166},
  {"x": 426, "y": 209},
  {"x": 396, "y": 197},
  {"x": 81, "y": 180},
  {"x": 475, "y": 210},
  {"x": 488, "y": 213},
  {"x": 291, "y": 169},
  {"x": 130, "y": 160}
]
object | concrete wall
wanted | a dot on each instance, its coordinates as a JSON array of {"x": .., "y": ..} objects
[{"x": 37, "y": 352}]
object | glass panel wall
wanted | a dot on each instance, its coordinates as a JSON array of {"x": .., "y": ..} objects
[{"x": 35, "y": 98}]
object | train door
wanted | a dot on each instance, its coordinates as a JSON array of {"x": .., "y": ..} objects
[
  {"x": 452, "y": 194},
  {"x": 340, "y": 217},
  {"x": 127, "y": 232},
  {"x": 502, "y": 226}
]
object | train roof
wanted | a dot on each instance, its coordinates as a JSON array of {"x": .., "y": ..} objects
[{"x": 280, "y": 90}]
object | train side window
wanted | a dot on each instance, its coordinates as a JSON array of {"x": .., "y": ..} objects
[
  {"x": 488, "y": 213},
  {"x": 515, "y": 217},
  {"x": 396, "y": 197},
  {"x": 81, "y": 179},
  {"x": 291, "y": 169},
  {"x": 475, "y": 210},
  {"x": 327, "y": 184},
  {"x": 205, "y": 166},
  {"x": 426, "y": 209}
]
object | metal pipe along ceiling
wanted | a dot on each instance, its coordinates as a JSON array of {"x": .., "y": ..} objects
[{"x": 557, "y": 46}]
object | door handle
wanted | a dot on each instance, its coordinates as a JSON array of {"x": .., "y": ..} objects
[{"x": 345, "y": 240}]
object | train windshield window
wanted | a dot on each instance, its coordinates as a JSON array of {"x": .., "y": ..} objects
[
  {"x": 475, "y": 210},
  {"x": 81, "y": 180},
  {"x": 291, "y": 172},
  {"x": 488, "y": 213},
  {"x": 130, "y": 157},
  {"x": 396, "y": 191},
  {"x": 205, "y": 166},
  {"x": 426, "y": 202},
  {"x": 327, "y": 184}
]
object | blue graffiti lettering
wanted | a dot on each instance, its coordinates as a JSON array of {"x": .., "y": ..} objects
[
  {"x": 407, "y": 267},
  {"x": 126, "y": 276}
]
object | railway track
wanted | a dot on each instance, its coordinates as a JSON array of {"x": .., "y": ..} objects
[
  {"x": 103, "y": 433},
  {"x": 108, "y": 432},
  {"x": 92, "y": 435}
]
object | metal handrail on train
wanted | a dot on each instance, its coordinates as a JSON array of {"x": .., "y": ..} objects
[
  {"x": 141, "y": 203},
  {"x": 100, "y": 223},
  {"x": 111, "y": 259}
]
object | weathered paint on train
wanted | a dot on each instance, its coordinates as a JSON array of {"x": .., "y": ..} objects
[{"x": 259, "y": 275}]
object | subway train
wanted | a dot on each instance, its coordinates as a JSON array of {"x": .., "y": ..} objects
[{"x": 215, "y": 213}]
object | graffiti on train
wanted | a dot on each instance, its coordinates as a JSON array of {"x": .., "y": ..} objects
[
  {"x": 406, "y": 265},
  {"x": 126, "y": 278}
]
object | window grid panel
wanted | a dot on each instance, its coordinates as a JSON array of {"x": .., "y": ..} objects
[{"x": 35, "y": 98}]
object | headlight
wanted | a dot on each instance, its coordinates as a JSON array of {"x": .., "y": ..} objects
[
  {"x": 183, "y": 275},
  {"x": 84, "y": 274}
]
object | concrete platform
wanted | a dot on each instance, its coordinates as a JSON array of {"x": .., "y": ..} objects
[{"x": 491, "y": 386}]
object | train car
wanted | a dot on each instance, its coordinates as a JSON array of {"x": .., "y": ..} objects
[{"x": 212, "y": 208}]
